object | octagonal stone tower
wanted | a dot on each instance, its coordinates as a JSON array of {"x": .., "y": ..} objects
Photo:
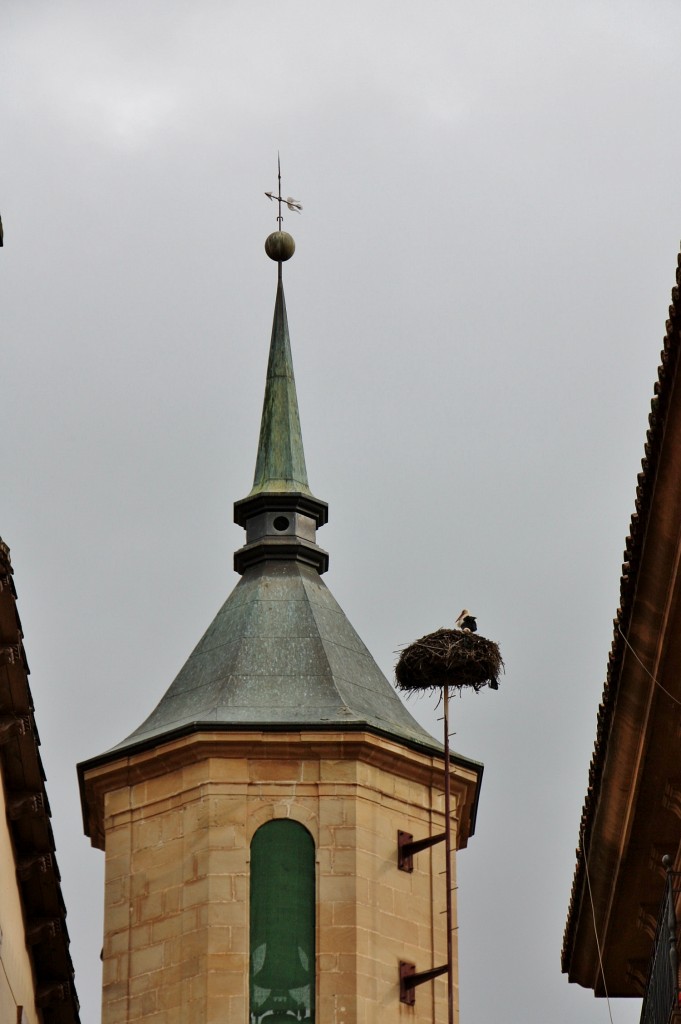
[{"x": 250, "y": 823}]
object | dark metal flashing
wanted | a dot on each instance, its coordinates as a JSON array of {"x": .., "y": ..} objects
[
  {"x": 285, "y": 549},
  {"x": 634, "y": 546},
  {"x": 190, "y": 728},
  {"x": 28, "y": 818},
  {"x": 292, "y": 501}
]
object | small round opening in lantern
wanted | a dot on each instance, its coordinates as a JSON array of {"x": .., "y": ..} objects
[{"x": 281, "y": 523}]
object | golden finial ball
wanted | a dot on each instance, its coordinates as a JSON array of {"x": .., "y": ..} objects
[{"x": 280, "y": 246}]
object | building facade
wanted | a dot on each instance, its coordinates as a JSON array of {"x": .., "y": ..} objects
[
  {"x": 36, "y": 973},
  {"x": 629, "y": 848}
]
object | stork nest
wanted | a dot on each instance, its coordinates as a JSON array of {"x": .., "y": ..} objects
[{"x": 449, "y": 657}]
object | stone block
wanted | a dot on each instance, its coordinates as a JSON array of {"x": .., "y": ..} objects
[
  {"x": 222, "y": 912},
  {"x": 159, "y": 862},
  {"x": 142, "y": 1006},
  {"x": 117, "y": 917},
  {"x": 116, "y": 990},
  {"x": 169, "y": 995},
  {"x": 225, "y": 1009},
  {"x": 117, "y": 801},
  {"x": 339, "y": 888},
  {"x": 118, "y": 843},
  {"x": 339, "y": 771},
  {"x": 226, "y": 862},
  {"x": 117, "y": 890},
  {"x": 195, "y": 892},
  {"x": 191, "y": 968},
  {"x": 145, "y": 960},
  {"x": 172, "y": 896},
  {"x": 275, "y": 770},
  {"x": 114, "y": 1011},
  {"x": 172, "y": 948},
  {"x": 164, "y": 928}
]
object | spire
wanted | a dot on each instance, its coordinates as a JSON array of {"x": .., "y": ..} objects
[
  {"x": 280, "y": 653},
  {"x": 280, "y": 465},
  {"x": 280, "y": 514}
]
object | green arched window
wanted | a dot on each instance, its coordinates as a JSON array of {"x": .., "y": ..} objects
[{"x": 282, "y": 963}]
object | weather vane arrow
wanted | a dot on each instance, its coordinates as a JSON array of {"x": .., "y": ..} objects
[{"x": 291, "y": 203}]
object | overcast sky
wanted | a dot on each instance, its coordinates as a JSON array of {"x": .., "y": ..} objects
[{"x": 492, "y": 213}]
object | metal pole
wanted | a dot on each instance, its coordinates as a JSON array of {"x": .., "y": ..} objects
[{"x": 448, "y": 866}]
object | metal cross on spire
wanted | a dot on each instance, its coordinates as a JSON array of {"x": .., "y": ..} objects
[{"x": 292, "y": 203}]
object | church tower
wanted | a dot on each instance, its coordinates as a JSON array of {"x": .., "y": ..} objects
[{"x": 250, "y": 824}]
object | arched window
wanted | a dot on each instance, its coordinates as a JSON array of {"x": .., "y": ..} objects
[{"x": 282, "y": 946}]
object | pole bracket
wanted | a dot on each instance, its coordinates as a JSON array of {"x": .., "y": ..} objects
[
  {"x": 410, "y": 978},
  {"x": 407, "y": 846}
]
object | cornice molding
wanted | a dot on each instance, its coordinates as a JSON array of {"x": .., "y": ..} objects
[{"x": 98, "y": 778}]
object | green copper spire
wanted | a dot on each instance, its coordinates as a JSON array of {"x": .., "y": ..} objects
[
  {"x": 280, "y": 465},
  {"x": 280, "y": 514}
]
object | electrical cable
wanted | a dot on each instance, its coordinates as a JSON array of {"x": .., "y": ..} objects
[
  {"x": 657, "y": 683},
  {"x": 593, "y": 915}
]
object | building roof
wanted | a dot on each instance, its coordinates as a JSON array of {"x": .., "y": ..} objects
[
  {"x": 280, "y": 653},
  {"x": 630, "y": 817},
  {"x": 29, "y": 819}
]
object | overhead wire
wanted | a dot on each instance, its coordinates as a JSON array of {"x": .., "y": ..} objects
[
  {"x": 647, "y": 671},
  {"x": 593, "y": 915},
  {"x": 583, "y": 850}
]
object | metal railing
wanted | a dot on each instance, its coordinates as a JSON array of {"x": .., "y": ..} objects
[{"x": 661, "y": 996}]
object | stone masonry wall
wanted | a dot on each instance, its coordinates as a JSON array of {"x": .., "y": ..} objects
[{"x": 177, "y": 887}]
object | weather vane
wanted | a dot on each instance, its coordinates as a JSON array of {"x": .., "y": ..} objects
[{"x": 292, "y": 203}]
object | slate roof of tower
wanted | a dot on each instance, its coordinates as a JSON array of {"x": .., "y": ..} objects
[{"x": 281, "y": 654}]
